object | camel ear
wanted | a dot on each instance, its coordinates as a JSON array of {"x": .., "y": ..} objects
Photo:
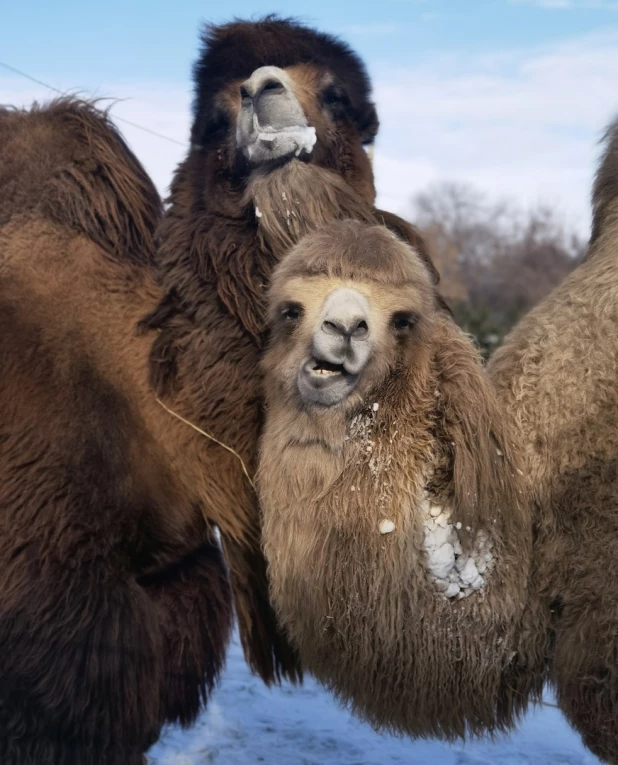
[{"x": 480, "y": 443}]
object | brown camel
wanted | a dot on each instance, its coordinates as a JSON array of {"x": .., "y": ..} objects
[
  {"x": 114, "y": 596},
  {"x": 557, "y": 376},
  {"x": 397, "y": 544},
  {"x": 115, "y": 606}
]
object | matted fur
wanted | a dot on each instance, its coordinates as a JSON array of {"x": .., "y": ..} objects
[
  {"x": 225, "y": 230},
  {"x": 115, "y": 604},
  {"x": 556, "y": 374},
  {"x": 367, "y": 620}
]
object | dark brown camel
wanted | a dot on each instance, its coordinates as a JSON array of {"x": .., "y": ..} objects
[{"x": 114, "y": 596}]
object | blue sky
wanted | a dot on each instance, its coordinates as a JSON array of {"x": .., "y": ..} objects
[
  {"x": 510, "y": 95},
  {"x": 93, "y": 42}
]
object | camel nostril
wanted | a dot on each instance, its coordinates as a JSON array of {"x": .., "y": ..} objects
[
  {"x": 357, "y": 328},
  {"x": 272, "y": 87},
  {"x": 361, "y": 330},
  {"x": 333, "y": 328}
]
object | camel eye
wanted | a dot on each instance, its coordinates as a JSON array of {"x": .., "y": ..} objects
[
  {"x": 291, "y": 312},
  {"x": 402, "y": 322},
  {"x": 334, "y": 95}
]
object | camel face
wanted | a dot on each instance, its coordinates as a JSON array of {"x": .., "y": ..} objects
[
  {"x": 335, "y": 338},
  {"x": 340, "y": 348},
  {"x": 272, "y": 93},
  {"x": 278, "y": 114}
]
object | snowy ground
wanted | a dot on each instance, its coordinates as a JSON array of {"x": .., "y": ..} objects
[{"x": 246, "y": 723}]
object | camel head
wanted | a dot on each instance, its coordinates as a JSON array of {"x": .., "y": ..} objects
[
  {"x": 350, "y": 307},
  {"x": 275, "y": 91}
]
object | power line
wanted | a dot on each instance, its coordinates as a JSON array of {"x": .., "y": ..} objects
[{"x": 118, "y": 119}]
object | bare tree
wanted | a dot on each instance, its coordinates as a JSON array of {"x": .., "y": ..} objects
[{"x": 495, "y": 261}]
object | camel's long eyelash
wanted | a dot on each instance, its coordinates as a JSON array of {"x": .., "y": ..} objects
[
  {"x": 403, "y": 321},
  {"x": 291, "y": 312},
  {"x": 335, "y": 96}
]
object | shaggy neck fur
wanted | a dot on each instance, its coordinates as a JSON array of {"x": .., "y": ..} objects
[{"x": 359, "y": 604}]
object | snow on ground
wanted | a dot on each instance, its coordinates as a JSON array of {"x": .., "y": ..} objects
[{"x": 246, "y": 723}]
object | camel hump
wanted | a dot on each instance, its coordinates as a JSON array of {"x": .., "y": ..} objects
[
  {"x": 605, "y": 190},
  {"x": 67, "y": 162}
]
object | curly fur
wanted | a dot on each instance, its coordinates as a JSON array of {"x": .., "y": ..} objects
[
  {"x": 115, "y": 604},
  {"x": 365, "y": 617},
  {"x": 216, "y": 257},
  {"x": 556, "y": 374}
]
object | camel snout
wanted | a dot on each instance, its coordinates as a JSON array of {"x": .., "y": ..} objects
[
  {"x": 343, "y": 334},
  {"x": 271, "y": 121}
]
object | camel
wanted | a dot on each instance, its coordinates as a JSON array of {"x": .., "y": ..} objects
[
  {"x": 130, "y": 395},
  {"x": 556, "y": 377},
  {"x": 397, "y": 541},
  {"x": 115, "y": 602}
]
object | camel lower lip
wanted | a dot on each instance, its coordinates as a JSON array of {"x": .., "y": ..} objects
[{"x": 276, "y": 144}]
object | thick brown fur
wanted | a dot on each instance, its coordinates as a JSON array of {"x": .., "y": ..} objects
[
  {"x": 115, "y": 604},
  {"x": 556, "y": 374},
  {"x": 226, "y": 228},
  {"x": 367, "y": 620}
]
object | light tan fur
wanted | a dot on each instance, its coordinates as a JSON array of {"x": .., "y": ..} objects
[
  {"x": 366, "y": 618},
  {"x": 557, "y": 376}
]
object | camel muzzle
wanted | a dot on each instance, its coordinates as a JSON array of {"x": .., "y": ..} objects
[
  {"x": 340, "y": 350},
  {"x": 271, "y": 122}
]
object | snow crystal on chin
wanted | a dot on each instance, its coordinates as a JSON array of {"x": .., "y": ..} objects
[
  {"x": 454, "y": 574},
  {"x": 304, "y": 136}
]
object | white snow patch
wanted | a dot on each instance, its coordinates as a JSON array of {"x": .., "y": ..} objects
[
  {"x": 386, "y": 526},
  {"x": 454, "y": 574},
  {"x": 304, "y": 136}
]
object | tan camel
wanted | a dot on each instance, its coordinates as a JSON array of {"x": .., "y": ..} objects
[
  {"x": 557, "y": 375},
  {"x": 397, "y": 543}
]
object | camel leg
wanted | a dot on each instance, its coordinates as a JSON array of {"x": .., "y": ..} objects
[
  {"x": 193, "y": 600},
  {"x": 80, "y": 659},
  {"x": 585, "y": 673}
]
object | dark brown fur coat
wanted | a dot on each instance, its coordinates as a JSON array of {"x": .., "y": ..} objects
[{"x": 115, "y": 605}]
